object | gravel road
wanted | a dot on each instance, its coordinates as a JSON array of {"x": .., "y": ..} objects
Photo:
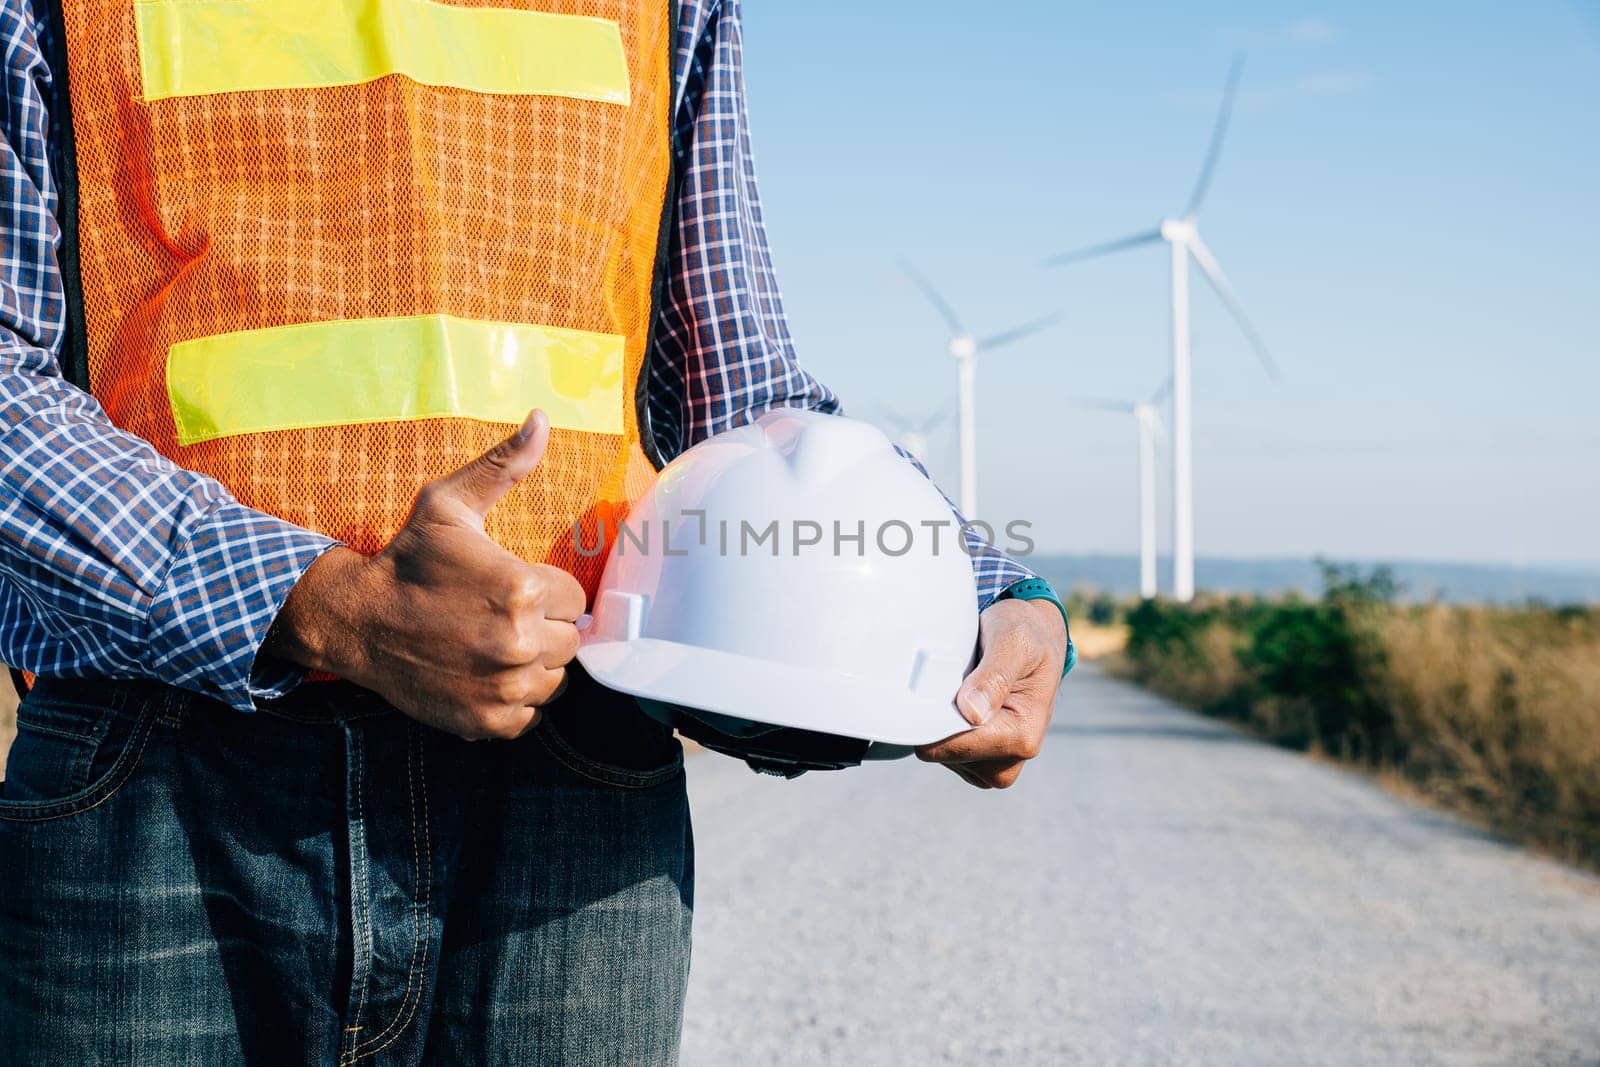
[{"x": 1158, "y": 889}]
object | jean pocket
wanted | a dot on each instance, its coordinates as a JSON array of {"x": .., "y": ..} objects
[
  {"x": 77, "y": 742},
  {"x": 602, "y": 736},
  {"x": 590, "y": 767}
]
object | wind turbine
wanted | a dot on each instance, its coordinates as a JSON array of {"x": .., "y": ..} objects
[
  {"x": 964, "y": 347},
  {"x": 911, "y": 434},
  {"x": 1183, "y": 234},
  {"x": 1148, "y": 421}
]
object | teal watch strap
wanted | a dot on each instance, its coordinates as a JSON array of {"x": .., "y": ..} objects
[{"x": 1039, "y": 589}]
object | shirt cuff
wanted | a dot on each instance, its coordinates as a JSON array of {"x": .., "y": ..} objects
[
  {"x": 225, "y": 587},
  {"x": 993, "y": 570}
]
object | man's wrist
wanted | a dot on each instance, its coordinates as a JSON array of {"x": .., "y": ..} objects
[
  {"x": 1042, "y": 596},
  {"x": 1053, "y": 622},
  {"x": 318, "y": 626}
]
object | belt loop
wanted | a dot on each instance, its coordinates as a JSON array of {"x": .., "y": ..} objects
[{"x": 173, "y": 706}]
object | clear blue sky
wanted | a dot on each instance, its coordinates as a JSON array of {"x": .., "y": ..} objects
[{"x": 1407, "y": 204}]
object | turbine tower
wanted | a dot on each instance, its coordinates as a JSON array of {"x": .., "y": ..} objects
[
  {"x": 964, "y": 348},
  {"x": 1148, "y": 421},
  {"x": 1183, "y": 235}
]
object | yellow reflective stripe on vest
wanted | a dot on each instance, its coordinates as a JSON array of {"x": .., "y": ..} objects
[
  {"x": 199, "y": 47},
  {"x": 393, "y": 370}
]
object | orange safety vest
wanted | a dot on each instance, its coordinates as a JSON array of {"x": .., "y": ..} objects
[{"x": 326, "y": 251}]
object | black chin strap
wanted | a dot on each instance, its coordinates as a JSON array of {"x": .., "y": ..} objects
[{"x": 780, "y": 750}]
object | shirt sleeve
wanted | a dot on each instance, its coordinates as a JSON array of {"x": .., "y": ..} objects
[
  {"x": 114, "y": 562},
  {"x": 722, "y": 354}
]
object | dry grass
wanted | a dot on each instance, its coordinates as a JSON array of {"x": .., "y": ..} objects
[
  {"x": 1499, "y": 712},
  {"x": 1207, "y": 679},
  {"x": 1095, "y": 641},
  {"x": 1494, "y": 712}
]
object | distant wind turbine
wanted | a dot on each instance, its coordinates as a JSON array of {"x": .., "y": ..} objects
[
  {"x": 1183, "y": 234},
  {"x": 911, "y": 434},
  {"x": 964, "y": 347},
  {"x": 1148, "y": 421}
]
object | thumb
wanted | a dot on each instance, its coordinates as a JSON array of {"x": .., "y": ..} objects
[
  {"x": 480, "y": 484},
  {"x": 985, "y": 690}
]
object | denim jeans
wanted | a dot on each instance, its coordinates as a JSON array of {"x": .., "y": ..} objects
[{"x": 328, "y": 882}]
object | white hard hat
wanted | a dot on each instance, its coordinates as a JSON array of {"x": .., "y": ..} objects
[{"x": 796, "y": 572}]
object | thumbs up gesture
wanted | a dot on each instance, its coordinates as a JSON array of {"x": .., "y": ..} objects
[{"x": 443, "y": 623}]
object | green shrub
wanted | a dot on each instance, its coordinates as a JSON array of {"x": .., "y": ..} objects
[{"x": 1103, "y": 610}]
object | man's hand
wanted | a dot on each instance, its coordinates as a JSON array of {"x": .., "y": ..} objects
[
  {"x": 443, "y": 623},
  {"x": 1009, "y": 696}
]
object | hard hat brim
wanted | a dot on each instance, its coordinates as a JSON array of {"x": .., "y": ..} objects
[{"x": 780, "y": 694}]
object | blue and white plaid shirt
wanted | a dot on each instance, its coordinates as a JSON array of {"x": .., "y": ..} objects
[{"x": 114, "y": 562}]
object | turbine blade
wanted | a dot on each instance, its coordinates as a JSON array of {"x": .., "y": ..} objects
[
  {"x": 1219, "y": 281},
  {"x": 1094, "y": 251},
  {"x": 1027, "y": 329},
  {"x": 940, "y": 304},
  {"x": 934, "y": 421},
  {"x": 1162, "y": 392},
  {"x": 1219, "y": 133},
  {"x": 895, "y": 418}
]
